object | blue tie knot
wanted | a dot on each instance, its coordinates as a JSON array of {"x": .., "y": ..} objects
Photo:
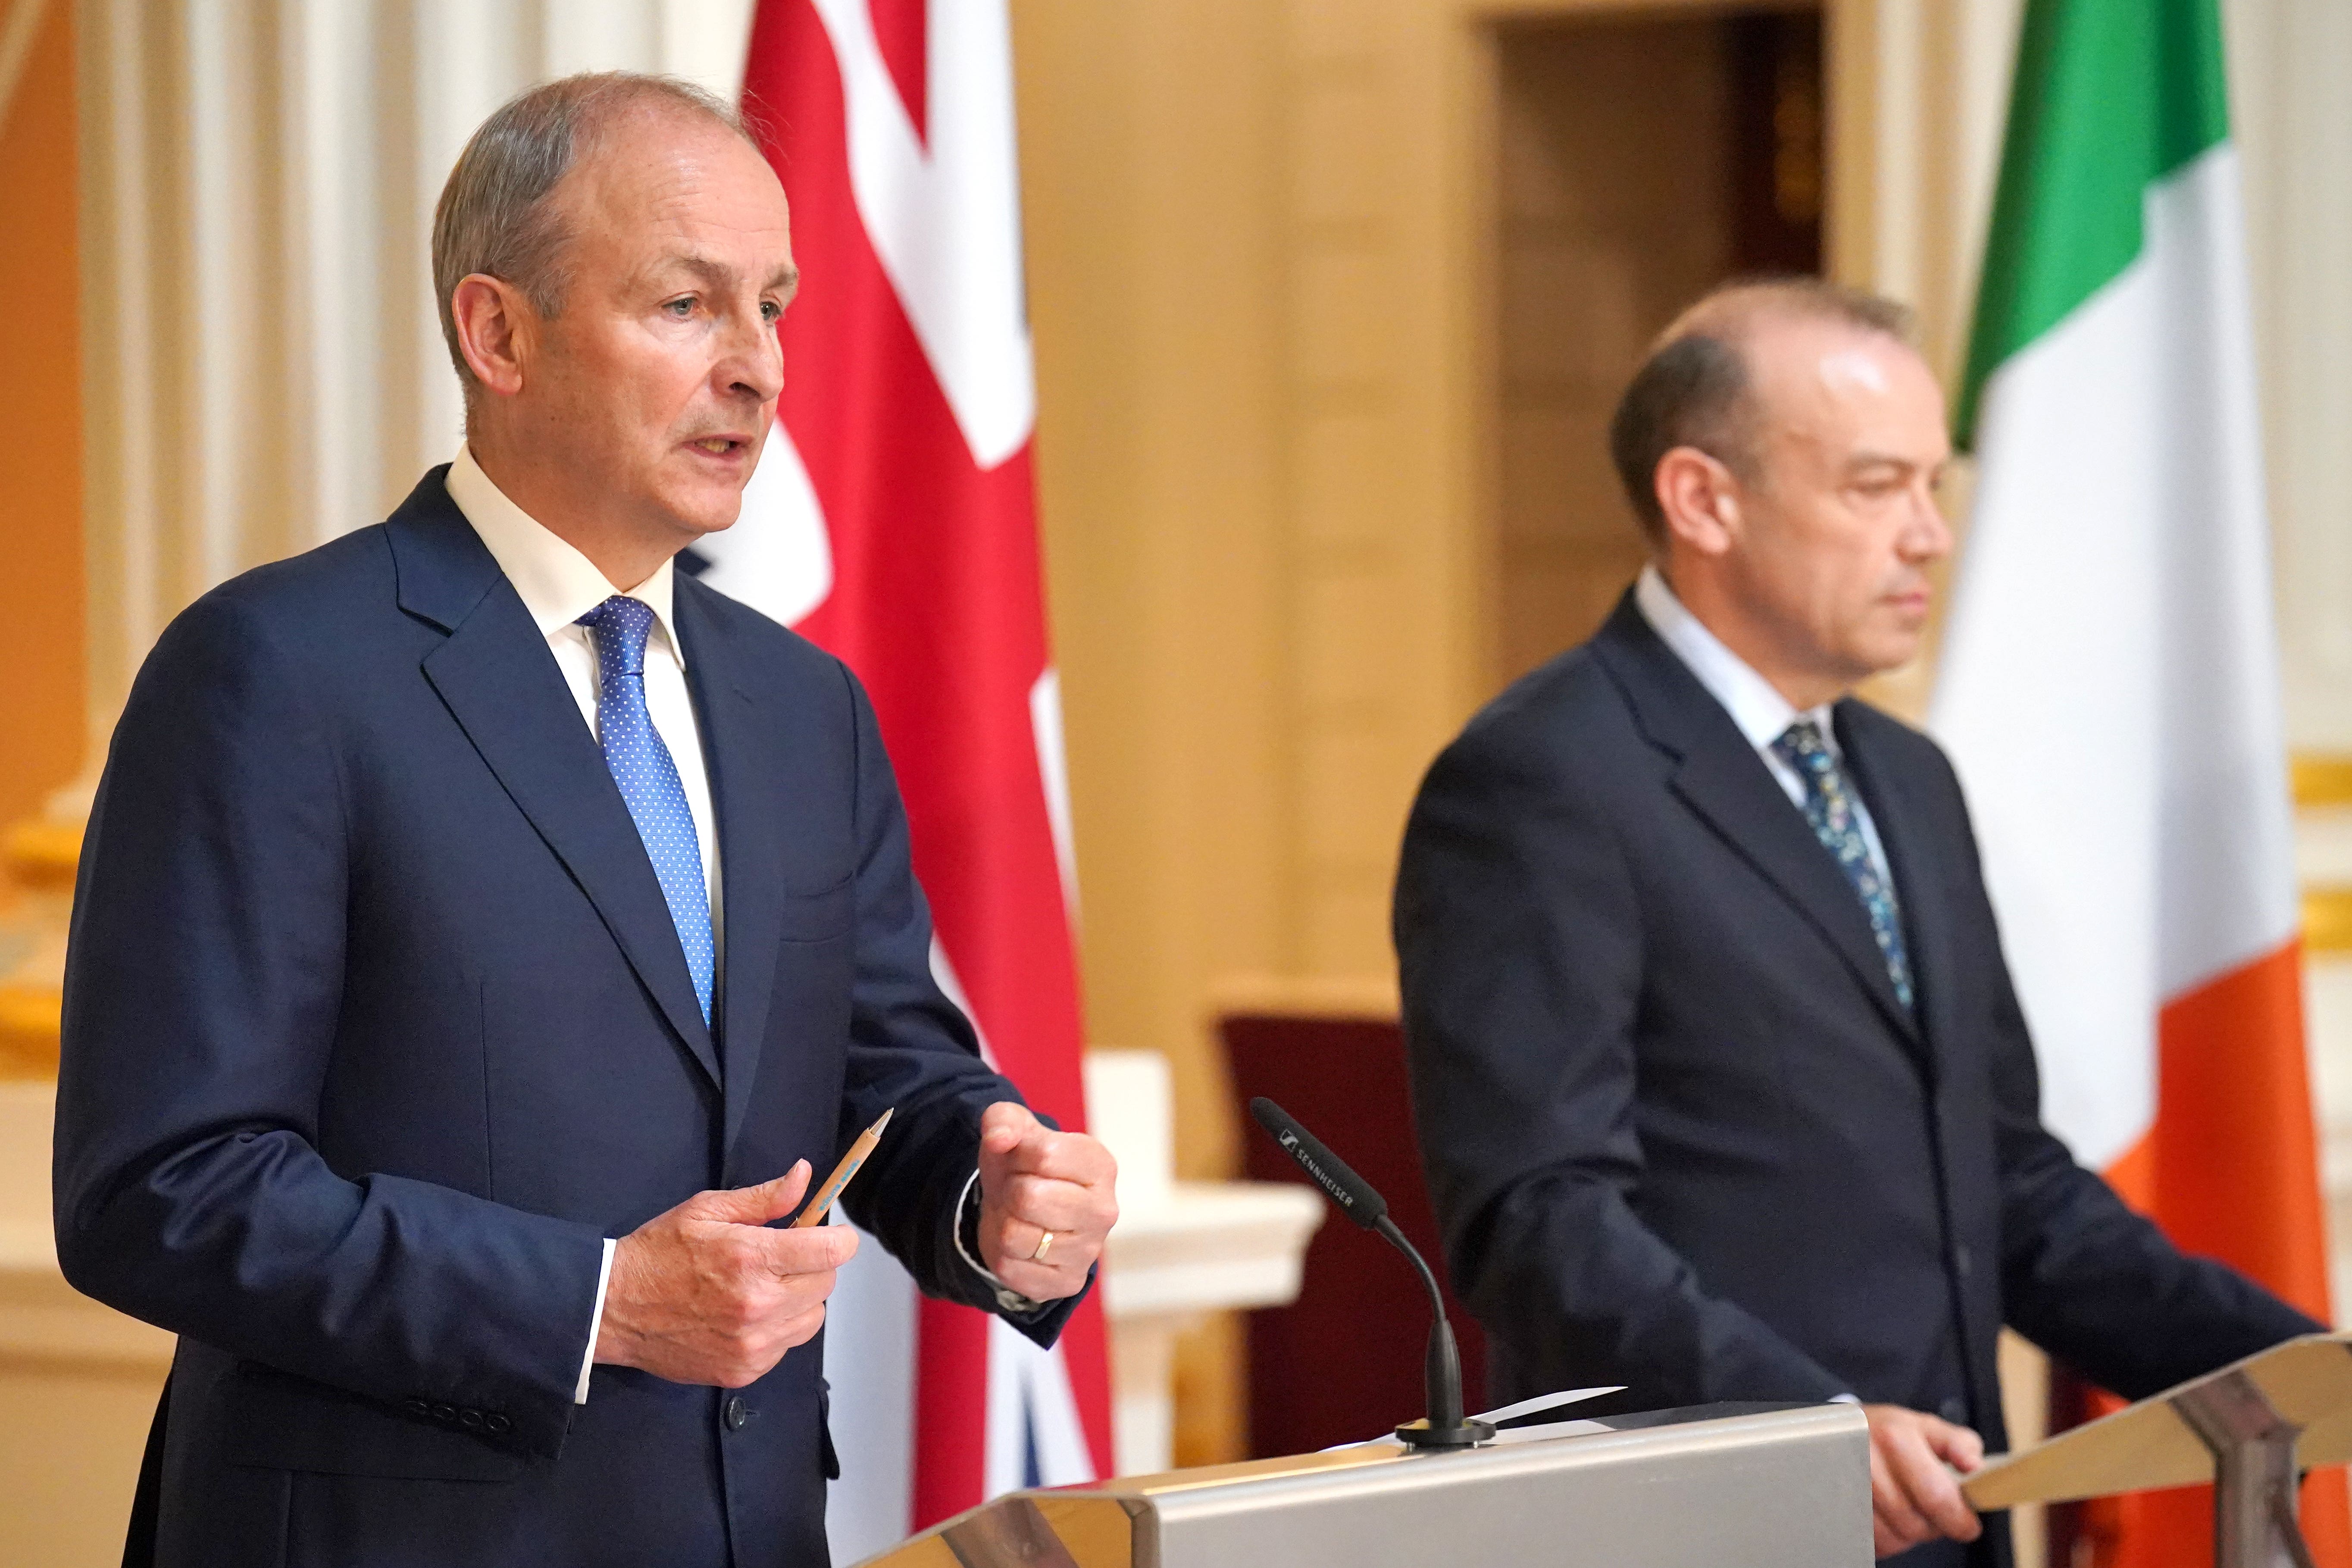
[
  {"x": 621, "y": 626},
  {"x": 1802, "y": 744}
]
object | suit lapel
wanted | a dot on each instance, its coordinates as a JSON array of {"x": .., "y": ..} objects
[
  {"x": 1724, "y": 782},
  {"x": 503, "y": 688},
  {"x": 743, "y": 748}
]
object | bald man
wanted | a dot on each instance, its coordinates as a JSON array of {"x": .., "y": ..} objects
[{"x": 1722, "y": 1089}]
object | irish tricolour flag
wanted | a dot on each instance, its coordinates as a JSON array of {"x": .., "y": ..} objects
[{"x": 2109, "y": 686}]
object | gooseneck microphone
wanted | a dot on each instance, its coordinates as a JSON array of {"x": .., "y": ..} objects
[{"x": 1442, "y": 1368}]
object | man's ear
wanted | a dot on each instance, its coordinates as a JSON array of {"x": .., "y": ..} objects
[
  {"x": 496, "y": 330},
  {"x": 1699, "y": 499}
]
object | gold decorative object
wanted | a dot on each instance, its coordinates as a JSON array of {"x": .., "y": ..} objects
[
  {"x": 43, "y": 854},
  {"x": 30, "y": 1020},
  {"x": 2321, "y": 779},
  {"x": 39, "y": 857},
  {"x": 2327, "y": 920}
]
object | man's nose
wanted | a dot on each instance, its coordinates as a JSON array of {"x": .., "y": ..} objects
[
  {"x": 754, "y": 365},
  {"x": 1927, "y": 536}
]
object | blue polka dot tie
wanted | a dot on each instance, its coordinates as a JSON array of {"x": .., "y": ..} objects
[
  {"x": 1829, "y": 807},
  {"x": 647, "y": 775}
]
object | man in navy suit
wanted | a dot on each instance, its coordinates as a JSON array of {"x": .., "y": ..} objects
[
  {"x": 483, "y": 931},
  {"x": 1722, "y": 1089}
]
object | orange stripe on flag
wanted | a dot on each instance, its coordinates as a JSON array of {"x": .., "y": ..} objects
[
  {"x": 2231, "y": 1170},
  {"x": 2237, "y": 1156}
]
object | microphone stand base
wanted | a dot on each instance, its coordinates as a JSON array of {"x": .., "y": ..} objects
[{"x": 1421, "y": 1434}]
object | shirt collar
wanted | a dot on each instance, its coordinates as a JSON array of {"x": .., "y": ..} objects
[
  {"x": 1754, "y": 703},
  {"x": 557, "y": 585}
]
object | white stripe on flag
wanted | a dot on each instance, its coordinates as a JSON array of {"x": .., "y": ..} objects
[
  {"x": 1054, "y": 768},
  {"x": 2108, "y": 692},
  {"x": 870, "y": 1358},
  {"x": 1030, "y": 1404},
  {"x": 946, "y": 221}
]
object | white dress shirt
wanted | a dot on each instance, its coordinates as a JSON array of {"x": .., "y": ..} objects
[
  {"x": 559, "y": 585},
  {"x": 1754, "y": 703}
]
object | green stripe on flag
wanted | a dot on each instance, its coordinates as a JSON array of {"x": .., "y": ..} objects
[{"x": 2110, "y": 96}]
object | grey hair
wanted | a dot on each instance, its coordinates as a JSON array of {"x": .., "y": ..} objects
[
  {"x": 495, "y": 216},
  {"x": 1695, "y": 389}
]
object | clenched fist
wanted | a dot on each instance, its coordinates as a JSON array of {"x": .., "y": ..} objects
[
  {"x": 1036, "y": 1182},
  {"x": 707, "y": 1293}
]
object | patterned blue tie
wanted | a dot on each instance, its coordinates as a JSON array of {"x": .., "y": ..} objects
[
  {"x": 1829, "y": 807},
  {"x": 647, "y": 775}
]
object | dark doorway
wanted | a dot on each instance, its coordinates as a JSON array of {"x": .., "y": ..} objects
[{"x": 1640, "y": 161}]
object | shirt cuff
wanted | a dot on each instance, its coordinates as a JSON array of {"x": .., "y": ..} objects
[
  {"x": 1007, "y": 1298},
  {"x": 595, "y": 1323},
  {"x": 1844, "y": 1399}
]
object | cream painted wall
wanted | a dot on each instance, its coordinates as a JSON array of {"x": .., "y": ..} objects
[
  {"x": 2294, "y": 121},
  {"x": 1153, "y": 223}
]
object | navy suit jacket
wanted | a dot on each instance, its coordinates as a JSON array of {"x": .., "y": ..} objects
[
  {"x": 376, "y": 1026},
  {"x": 1680, "y": 1133}
]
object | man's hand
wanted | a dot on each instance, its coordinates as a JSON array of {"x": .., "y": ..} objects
[
  {"x": 1913, "y": 1498},
  {"x": 1034, "y": 1181},
  {"x": 707, "y": 1294}
]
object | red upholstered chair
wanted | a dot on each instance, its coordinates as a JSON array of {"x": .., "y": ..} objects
[{"x": 1342, "y": 1362}]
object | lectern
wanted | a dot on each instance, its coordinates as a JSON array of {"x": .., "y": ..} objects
[
  {"x": 1761, "y": 1486},
  {"x": 2251, "y": 1429}
]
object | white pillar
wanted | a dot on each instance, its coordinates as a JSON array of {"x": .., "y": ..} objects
[
  {"x": 1919, "y": 97},
  {"x": 2292, "y": 121}
]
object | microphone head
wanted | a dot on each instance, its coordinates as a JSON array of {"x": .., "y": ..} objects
[{"x": 1354, "y": 1195}]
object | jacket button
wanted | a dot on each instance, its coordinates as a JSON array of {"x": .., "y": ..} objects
[
  {"x": 496, "y": 1425},
  {"x": 737, "y": 1414},
  {"x": 1954, "y": 1410},
  {"x": 471, "y": 1420},
  {"x": 445, "y": 1413},
  {"x": 417, "y": 1407}
]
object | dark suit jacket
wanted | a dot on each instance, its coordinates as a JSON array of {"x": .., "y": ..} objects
[
  {"x": 1679, "y": 1131},
  {"x": 376, "y": 1025}
]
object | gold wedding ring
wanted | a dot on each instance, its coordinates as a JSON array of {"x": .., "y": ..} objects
[{"x": 1045, "y": 1242}]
